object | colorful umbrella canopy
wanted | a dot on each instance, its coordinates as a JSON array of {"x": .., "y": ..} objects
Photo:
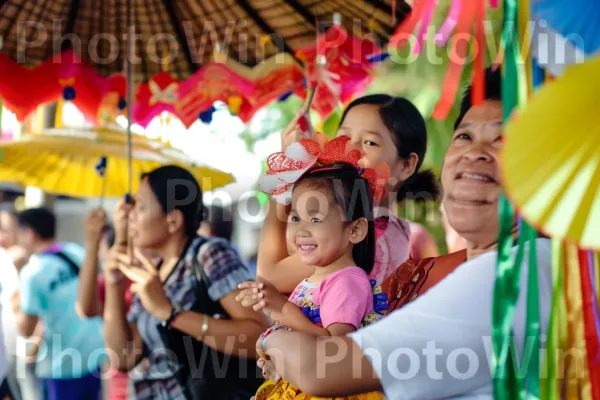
[
  {"x": 551, "y": 157},
  {"x": 64, "y": 161},
  {"x": 185, "y": 32},
  {"x": 576, "y": 20}
]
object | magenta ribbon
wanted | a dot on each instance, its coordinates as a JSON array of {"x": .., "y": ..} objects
[{"x": 442, "y": 36}]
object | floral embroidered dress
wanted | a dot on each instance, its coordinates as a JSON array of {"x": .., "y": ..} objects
[{"x": 346, "y": 296}]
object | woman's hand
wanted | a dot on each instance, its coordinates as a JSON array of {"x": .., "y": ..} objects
[
  {"x": 94, "y": 225},
  {"x": 299, "y": 127},
  {"x": 121, "y": 221},
  {"x": 262, "y": 296},
  {"x": 110, "y": 266},
  {"x": 146, "y": 284}
]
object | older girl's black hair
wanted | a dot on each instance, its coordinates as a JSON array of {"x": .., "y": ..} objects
[
  {"x": 351, "y": 192},
  {"x": 409, "y": 133},
  {"x": 176, "y": 188},
  {"x": 493, "y": 91}
]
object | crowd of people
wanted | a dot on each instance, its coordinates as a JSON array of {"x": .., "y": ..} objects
[{"x": 160, "y": 305}]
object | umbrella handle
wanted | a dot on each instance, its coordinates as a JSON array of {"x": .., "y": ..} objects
[{"x": 103, "y": 193}]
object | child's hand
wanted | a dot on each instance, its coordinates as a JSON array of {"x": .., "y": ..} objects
[
  {"x": 262, "y": 296},
  {"x": 248, "y": 295},
  {"x": 268, "y": 369}
]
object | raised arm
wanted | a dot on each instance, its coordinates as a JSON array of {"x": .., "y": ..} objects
[
  {"x": 276, "y": 263},
  {"x": 121, "y": 337},
  {"x": 88, "y": 304}
]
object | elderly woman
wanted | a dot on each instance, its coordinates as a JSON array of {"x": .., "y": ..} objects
[{"x": 439, "y": 345}]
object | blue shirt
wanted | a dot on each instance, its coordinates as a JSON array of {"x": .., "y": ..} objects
[{"x": 72, "y": 346}]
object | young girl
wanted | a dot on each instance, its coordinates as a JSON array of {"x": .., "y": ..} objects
[
  {"x": 330, "y": 226},
  {"x": 386, "y": 130}
]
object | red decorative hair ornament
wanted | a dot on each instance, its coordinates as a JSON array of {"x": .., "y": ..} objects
[{"x": 286, "y": 168}]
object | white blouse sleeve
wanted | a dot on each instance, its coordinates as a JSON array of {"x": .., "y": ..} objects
[{"x": 440, "y": 346}]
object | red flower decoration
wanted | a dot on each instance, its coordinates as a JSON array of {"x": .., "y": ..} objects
[{"x": 338, "y": 151}]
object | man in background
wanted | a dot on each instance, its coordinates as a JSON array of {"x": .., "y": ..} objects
[
  {"x": 12, "y": 259},
  {"x": 218, "y": 223},
  {"x": 70, "y": 354}
]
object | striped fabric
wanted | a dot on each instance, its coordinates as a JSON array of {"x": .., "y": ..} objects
[{"x": 155, "y": 377}]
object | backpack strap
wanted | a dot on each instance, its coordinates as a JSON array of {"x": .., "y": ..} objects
[
  {"x": 204, "y": 304},
  {"x": 67, "y": 260}
]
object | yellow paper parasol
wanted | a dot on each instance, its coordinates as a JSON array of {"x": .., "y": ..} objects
[
  {"x": 551, "y": 157},
  {"x": 63, "y": 161}
]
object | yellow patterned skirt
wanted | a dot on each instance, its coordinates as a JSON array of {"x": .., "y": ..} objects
[{"x": 283, "y": 390}]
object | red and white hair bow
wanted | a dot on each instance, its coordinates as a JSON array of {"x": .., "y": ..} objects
[{"x": 284, "y": 169}]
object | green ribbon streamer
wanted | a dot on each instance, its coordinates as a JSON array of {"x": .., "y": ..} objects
[
  {"x": 508, "y": 385},
  {"x": 506, "y": 293},
  {"x": 506, "y": 287},
  {"x": 533, "y": 328},
  {"x": 550, "y": 389}
]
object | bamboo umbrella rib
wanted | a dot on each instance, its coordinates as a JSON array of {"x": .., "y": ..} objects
[
  {"x": 200, "y": 14},
  {"x": 299, "y": 8},
  {"x": 35, "y": 14},
  {"x": 101, "y": 17},
  {"x": 152, "y": 15},
  {"x": 176, "y": 26},
  {"x": 72, "y": 17},
  {"x": 57, "y": 11},
  {"x": 116, "y": 22},
  {"x": 262, "y": 24},
  {"x": 44, "y": 18},
  {"x": 224, "y": 14},
  {"x": 239, "y": 14},
  {"x": 139, "y": 48},
  {"x": 81, "y": 28}
]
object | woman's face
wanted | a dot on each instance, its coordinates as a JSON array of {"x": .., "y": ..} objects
[
  {"x": 368, "y": 133},
  {"x": 148, "y": 222},
  {"x": 470, "y": 175}
]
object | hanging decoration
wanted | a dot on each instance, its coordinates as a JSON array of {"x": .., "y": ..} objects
[
  {"x": 156, "y": 96},
  {"x": 113, "y": 101},
  {"x": 342, "y": 64},
  {"x": 207, "y": 116},
  {"x": 346, "y": 73},
  {"x": 465, "y": 20},
  {"x": 212, "y": 83}
]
